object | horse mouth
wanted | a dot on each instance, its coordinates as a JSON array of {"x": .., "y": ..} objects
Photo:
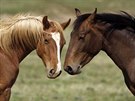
[
  {"x": 76, "y": 73},
  {"x": 53, "y": 76}
]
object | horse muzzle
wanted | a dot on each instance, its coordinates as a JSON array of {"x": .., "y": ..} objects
[
  {"x": 73, "y": 70},
  {"x": 52, "y": 74}
]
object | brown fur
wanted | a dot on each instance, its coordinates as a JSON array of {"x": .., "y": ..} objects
[
  {"x": 114, "y": 34},
  {"x": 18, "y": 37}
]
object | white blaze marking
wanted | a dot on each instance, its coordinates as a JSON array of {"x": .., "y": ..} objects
[{"x": 56, "y": 37}]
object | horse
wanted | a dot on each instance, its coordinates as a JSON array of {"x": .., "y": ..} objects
[
  {"x": 109, "y": 32},
  {"x": 22, "y": 34}
]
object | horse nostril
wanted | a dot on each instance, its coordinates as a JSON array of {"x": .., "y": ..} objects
[
  {"x": 69, "y": 70},
  {"x": 52, "y": 71}
]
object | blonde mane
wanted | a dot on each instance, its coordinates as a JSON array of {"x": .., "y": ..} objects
[{"x": 20, "y": 31}]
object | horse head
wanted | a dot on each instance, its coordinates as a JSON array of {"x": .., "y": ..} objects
[
  {"x": 50, "y": 45},
  {"x": 85, "y": 43}
]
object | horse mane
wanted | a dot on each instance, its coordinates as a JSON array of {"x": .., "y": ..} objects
[
  {"x": 117, "y": 21},
  {"x": 21, "y": 30}
]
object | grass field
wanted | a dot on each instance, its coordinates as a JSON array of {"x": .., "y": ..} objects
[{"x": 100, "y": 80}]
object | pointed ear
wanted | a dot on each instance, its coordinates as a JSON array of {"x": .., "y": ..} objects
[
  {"x": 65, "y": 24},
  {"x": 77, "y": 12},
  {"x": 45, "y": 22},
  {"x": 91, "y": 18}
]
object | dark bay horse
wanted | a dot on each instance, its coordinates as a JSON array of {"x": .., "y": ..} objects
[
  {"x": 23, "y": 34},
  {"x": 112, "y": 33}
]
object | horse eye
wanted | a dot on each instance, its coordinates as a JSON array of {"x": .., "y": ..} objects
[
  {"x": 46, "y": 41},
  {"x": 81, "y": 36}
]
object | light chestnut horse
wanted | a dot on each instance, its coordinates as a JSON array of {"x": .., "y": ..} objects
[{"x": 18, "y": 37}]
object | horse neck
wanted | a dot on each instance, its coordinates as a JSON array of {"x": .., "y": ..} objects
[
  {"x": 120, "y": 48},
  {"x": 23, "y": 50},
  {"x": 16, "y": 55},
  {"x": 20, "y": 38},
  {"x": 20, "y": 51}
]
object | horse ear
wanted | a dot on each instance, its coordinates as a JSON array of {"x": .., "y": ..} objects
[
  {"x": 92, "y": 16},
  {"x": 77, "y": 12},
  {"x": 45, "y": 22},
  {"x": 65, "y": 24}
]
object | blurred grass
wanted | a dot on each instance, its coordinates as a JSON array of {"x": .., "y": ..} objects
[
  {"x": 65, "y": 7},
  {"x": 101, "y": 80}
]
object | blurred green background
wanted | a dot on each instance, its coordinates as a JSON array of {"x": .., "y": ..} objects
[{"x": 101, "y": 80}]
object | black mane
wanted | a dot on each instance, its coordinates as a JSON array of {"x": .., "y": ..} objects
[{"x": 117, "y": 21}]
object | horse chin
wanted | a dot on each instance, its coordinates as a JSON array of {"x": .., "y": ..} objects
[
  {"x": 54, "y": 75},
  {"x": 76, "y": 73}
]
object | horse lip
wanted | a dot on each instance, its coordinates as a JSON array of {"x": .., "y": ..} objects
[
  {"x": 76, "y": 73},
  {"x": 54, "y": 75}
]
